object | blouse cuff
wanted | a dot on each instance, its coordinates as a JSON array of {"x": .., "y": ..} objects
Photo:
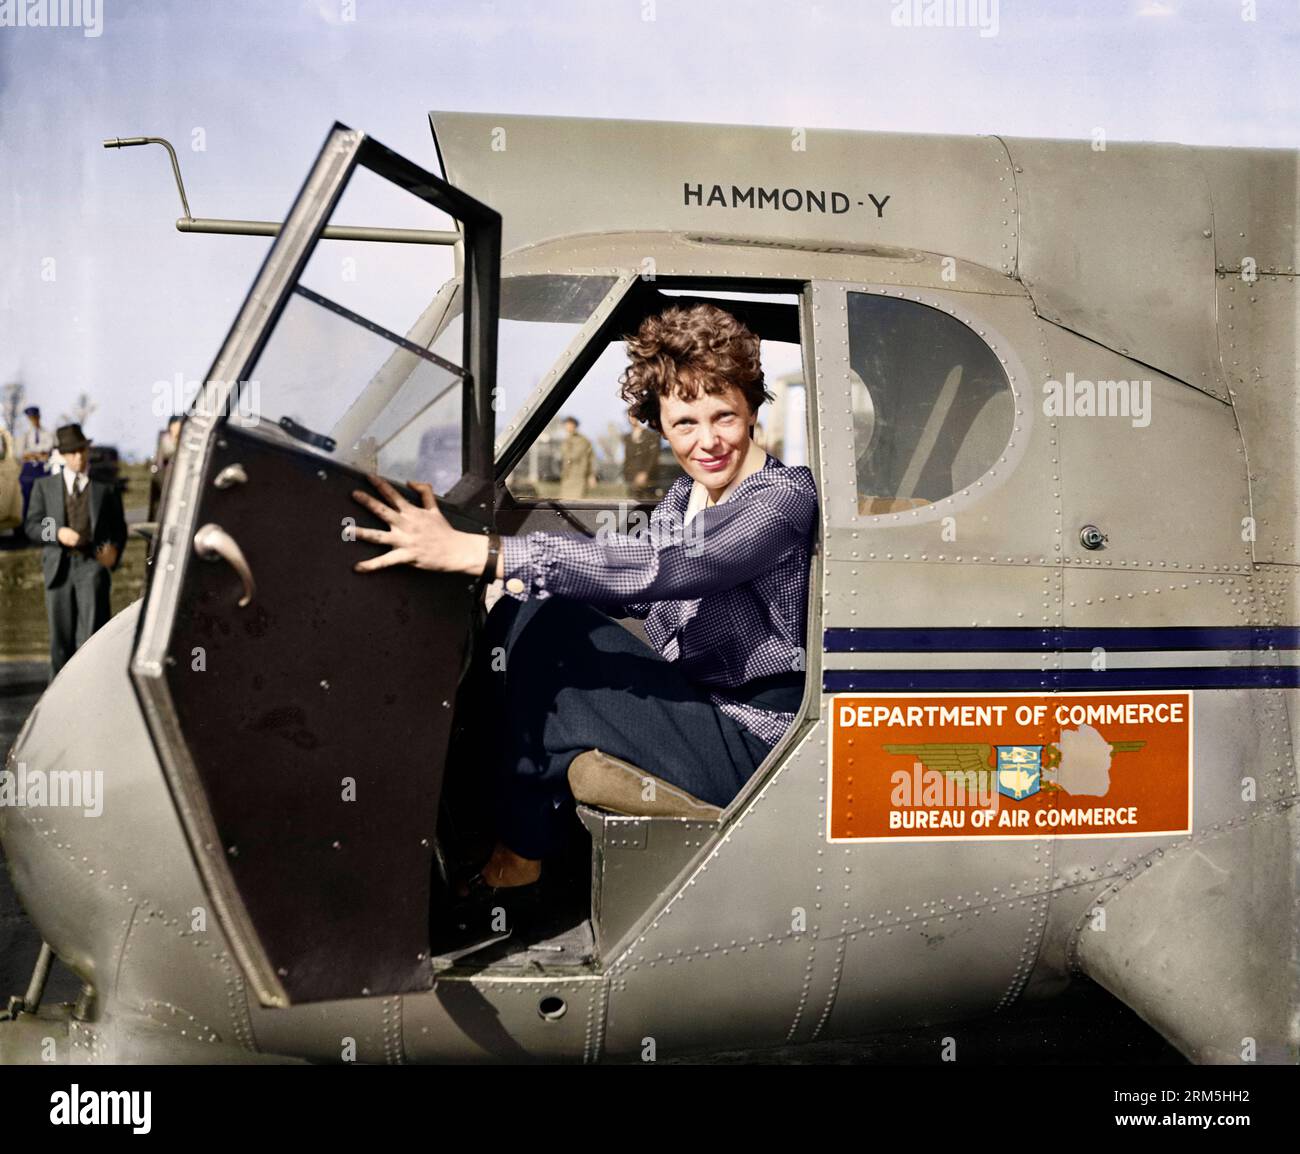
[
  {"x": 528, "y": 564},
  {"x": 516, "y": 567}
]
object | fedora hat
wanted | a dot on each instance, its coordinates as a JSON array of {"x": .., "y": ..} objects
[{"x": 70, "y": 439}]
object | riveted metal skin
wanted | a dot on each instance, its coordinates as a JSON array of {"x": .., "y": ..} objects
[
  {"x": 633, "y": 861},
  {"x": 117, "y": 895},
  {"x": 1115, "y": 288},
  {"x": 649, "y": 194},
  {"x": 495, "y": 1017},
  {"x": 1259, "y": 326},
  {"x": 1123, "y": 264}
]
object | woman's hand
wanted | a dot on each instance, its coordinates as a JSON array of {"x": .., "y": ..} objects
[{"x": 419, "y": 536}]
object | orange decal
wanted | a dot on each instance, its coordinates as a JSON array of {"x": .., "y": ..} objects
[{"x": 1006, "y": 765}]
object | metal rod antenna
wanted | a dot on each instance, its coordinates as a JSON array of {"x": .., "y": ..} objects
[
  {"x": 191, "y": 223},
  {"x": 132, "y": 141}
]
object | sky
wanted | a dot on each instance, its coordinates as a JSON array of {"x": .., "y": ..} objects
[{"x": 100, "y": 294}]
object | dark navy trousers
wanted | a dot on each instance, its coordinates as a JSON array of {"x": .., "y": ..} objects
[{"x": 554, "y": 678}]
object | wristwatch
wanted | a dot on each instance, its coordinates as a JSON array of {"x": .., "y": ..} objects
[{"x": 489, "y": 573}]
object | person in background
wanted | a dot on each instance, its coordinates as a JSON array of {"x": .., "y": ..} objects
[
  {"x": 577, "y": 462},
  {"x": 82, "y": 527},
  {"x": 168, "y": 442},
  {"x": 35, "y": 445},
  {"x": 11, "y": 497},
  {"x": 640, "y": 460}
]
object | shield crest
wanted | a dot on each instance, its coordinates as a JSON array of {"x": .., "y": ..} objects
[{"x": 1020, "y": 769}]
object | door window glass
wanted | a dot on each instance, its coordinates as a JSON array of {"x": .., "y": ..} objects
[
  {"x": 932, "y": 406},
  {"x": 310, "y": 370}
]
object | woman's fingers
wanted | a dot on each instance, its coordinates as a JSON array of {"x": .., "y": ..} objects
[
  {"x": 385, "y": 561},
  {"x": 416, "y": 535},
  {"x": 378, "y": 508},
  {"x": 391, "y": 495},
  {"x": 426, "y": 493}
]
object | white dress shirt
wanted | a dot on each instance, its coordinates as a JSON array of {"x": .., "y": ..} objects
[
  {"x": 80, "y": 479},
  {"x": 35, "y": 441}
]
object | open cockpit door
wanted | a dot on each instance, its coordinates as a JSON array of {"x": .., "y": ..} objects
[{"x": 301, "y": 710}]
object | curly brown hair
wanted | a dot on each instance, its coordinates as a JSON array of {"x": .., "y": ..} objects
[{"x": 683, "y": 350}]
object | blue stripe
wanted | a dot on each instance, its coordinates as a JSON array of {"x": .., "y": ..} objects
[
  {"x": 1194, "y": 677},
  {"x": 1015, "y": 639}
]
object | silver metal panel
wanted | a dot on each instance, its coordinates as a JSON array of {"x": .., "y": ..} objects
[
  {"x": 662, "y": 253},
  {"x": 551, "y": 176},
  {"x": 1153, "y": 596},
  {"x": 746, "y": 958},
  {"x": 930, "y": 594},
  {"x": 1204, "y": 951},
  {"x": 488, "y": 1019},
  {"x": 634, "y": 859},
  {"x": 362, "y": 1030},
  {"x": 1277, "y": 588},
  {"x": 1256, "y": 210},
  {"x": 1259, "y": 339},
  {"x": 1118, "y": 245},
  {"x": 1170, "y": 495},
  {"x": 725, "y": 998},
  {"x": 833, "y": 406},
  {"x": 116, "y": 894},
  {"x": 945, "y": 965},
  {"x": 629, "y": 255},
  {"x": 1244, "y": 741},
  {"x": 1075, "y": 889},
  {"x": 800, "y": 890}
]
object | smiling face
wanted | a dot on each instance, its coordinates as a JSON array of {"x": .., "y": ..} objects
[{"x": 709, "y": 435}]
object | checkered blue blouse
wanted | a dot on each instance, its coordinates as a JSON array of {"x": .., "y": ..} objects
[{"x": 725, "y": 595}]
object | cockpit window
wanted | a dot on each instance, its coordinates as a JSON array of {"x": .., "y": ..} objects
[
  {"x": 540, "y": 316},
  {"x": 932, "y": 406}
]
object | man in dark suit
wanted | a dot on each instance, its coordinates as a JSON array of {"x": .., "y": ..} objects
[{"x": 82, "y": 527}]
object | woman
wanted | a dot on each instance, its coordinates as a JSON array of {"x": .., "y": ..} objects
[{"x": 720, "y": 580}]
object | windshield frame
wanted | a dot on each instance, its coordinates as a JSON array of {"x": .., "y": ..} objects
[
  {"x": 622, "y": 280},
  {"x": 513, "y": 439}
]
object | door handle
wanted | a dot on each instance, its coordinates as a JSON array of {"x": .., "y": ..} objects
[{"x": 213, "y": 543}]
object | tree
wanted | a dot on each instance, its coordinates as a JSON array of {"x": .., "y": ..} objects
[
  {"x": 11, "y": 404},
  {"x": 81, "y": 410}
]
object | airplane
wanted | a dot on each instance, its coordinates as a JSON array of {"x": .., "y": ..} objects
[{"x": 1048, "y": 393}]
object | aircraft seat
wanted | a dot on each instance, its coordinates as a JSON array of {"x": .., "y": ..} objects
[{"x": 598, "y": 779}]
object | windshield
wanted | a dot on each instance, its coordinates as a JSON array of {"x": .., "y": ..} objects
[
  {"x": 540, "y": 316},
  {"x": 340, "y": 383}
]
